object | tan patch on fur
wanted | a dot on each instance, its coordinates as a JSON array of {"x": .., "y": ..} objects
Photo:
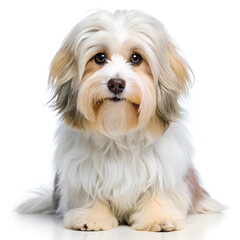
[
  {"x": 179, "y": 67},
  {"x": 96, "y": 218},
  {"x": 63, "y": 78},
  {"x": 173, "y": 84},
  {"x": 116, "y": 118},
  {"x": 156, "y": 127},
  {"x": 90, "y": 68},
  {"x": 157, "y": 215},
  {"x": 63, "y": 67},
  {"x": 143, "y": 70}
]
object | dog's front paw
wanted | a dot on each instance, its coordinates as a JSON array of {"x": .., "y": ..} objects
[
  {"x": 156, "y": 215},
  {"x": 97, "y": 218},
  {"x": 153, "y": 225}
]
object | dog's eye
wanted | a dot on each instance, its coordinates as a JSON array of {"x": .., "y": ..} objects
[
  {"x": 136, "y": 59},
  {"x": 100, "y": 58}
]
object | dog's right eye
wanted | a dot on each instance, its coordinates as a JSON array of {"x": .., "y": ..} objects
[{"x": 100, "y": 58}]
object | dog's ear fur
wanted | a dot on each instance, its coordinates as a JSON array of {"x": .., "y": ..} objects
[
  {"x": 174, "y": 83},
  {"x": 180, "y": 68},
  {"x": 63, "y": 80}
]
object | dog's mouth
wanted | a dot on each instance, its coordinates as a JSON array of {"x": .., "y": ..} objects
[
  {"x": 116, "y": 99},
  {"x": 113, "y": 99}
]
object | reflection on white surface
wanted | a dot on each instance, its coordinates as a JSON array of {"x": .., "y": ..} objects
[{"x": 198, "y": 227}]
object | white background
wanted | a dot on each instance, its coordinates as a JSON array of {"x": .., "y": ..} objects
[{"x": 30, "y": 34}]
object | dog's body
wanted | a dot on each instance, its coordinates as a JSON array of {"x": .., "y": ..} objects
[{"x": 123, "y": 154}]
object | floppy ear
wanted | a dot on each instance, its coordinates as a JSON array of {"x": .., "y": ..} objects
[
  {"x": 63, "y": 80},
  {"x": 180, "y": 68},
  {"x": 174, "y": 83}
]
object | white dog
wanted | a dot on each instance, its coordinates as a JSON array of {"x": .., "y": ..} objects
[{"x": 123, "y": 155}]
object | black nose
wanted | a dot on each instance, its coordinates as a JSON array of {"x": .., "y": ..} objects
[{"x": 116, "y": 85}]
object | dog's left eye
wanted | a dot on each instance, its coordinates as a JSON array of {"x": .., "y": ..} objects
[
  {"x": 136, "y": 59},
  {"x": 100, "y": 58}
]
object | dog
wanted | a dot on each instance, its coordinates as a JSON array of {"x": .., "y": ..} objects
[{"x": 123, "y": 154}]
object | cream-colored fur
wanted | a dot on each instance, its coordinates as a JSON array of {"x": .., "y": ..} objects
[
  {"x": 157, "y": 215},
  {"x": 95, "y": 218}
]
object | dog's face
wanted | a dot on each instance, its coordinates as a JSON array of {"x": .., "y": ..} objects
[{"x": 118, "y": 73}]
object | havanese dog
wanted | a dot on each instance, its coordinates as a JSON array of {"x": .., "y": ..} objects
[{"x": 123, "y": 154}]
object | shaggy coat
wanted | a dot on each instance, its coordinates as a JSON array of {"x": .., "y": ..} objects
[{"x": 122, "y": 151}]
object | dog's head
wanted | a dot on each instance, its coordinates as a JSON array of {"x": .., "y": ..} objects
[{"x": 117, "y": 73}]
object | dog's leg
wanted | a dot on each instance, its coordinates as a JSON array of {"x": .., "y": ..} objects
[
  {"x": 157, "y": 215},
  {"x": 96, "y": 218}
]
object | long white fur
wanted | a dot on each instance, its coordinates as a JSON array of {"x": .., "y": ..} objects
[{"x": 118, "y": 169}]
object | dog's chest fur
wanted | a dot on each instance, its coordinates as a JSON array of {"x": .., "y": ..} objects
[{"x": 118, "y": 171}]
